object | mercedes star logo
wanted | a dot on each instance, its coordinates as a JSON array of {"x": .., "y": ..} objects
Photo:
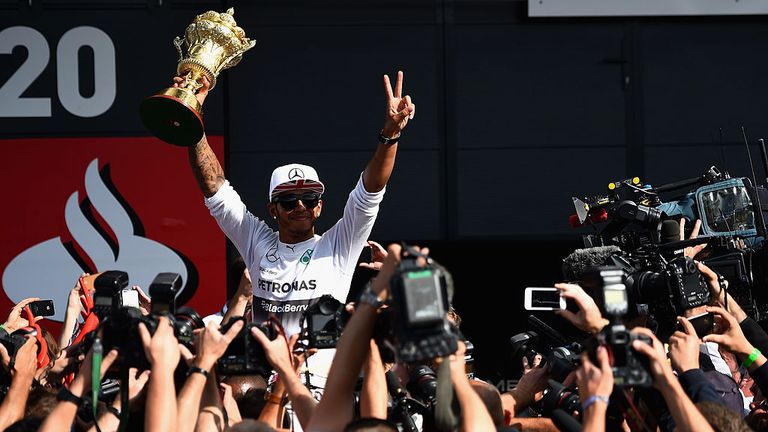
[
  {"x": 272, "y": 255},
  {"x": 295, "y": 173},
  {"x": 291, "y": 247}
]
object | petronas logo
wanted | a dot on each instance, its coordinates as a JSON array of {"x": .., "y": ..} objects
[{"x": 306, "y": 256}]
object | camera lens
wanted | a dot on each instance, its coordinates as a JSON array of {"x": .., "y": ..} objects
[{"x": 423, "y": 384}]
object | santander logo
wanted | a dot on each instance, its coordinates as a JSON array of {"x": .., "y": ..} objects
[{"x": 108, "y": 239}]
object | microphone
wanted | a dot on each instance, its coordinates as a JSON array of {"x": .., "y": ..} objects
[
  {"x": 565, "y": 422},
  {"x": 669, "y": 231},
  {"x": 580, "y": 260}
]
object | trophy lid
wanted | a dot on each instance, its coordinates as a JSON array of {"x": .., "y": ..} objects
[{"x": 225, "y": 19}]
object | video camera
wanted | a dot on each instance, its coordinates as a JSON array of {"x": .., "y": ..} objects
[
  {"x": 420, "y": 298},
  {"x": 641, "y": 227}
]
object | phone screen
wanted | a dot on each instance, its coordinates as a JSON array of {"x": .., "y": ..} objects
[{"x": 543, "y": 299}]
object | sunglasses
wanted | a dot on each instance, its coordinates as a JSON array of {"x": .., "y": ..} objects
[{"x": 289, "y": 202}]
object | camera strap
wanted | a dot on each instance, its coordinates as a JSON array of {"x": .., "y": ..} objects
[
  {"x": 97, "y": 355},
  {"x": 445, "y": 419}
]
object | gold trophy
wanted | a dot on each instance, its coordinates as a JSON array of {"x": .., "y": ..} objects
[{"x": 214, "y": 42}]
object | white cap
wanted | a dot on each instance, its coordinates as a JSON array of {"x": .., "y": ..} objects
[{"x": 294, "y": 176}]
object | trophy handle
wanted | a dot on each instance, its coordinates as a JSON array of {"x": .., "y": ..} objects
[
  {"x": 178, "y": 42},
  {"x": 233, "y": 59}
]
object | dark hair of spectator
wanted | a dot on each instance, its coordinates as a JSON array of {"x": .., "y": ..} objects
[
  {"x": 370, "y": 425},
  {"x": 721, "y": 418}
]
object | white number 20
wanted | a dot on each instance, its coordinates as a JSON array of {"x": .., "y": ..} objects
[{"x": 12, "y": 104}]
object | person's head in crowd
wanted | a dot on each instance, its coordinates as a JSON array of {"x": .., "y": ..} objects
[
  {"x": 251, "y": 403},
  {"x": 41, "y": 402},
  {"x": 370, "y": 425},
  {"x": 242, "y": 384},
  {"x": 250, "y": 425},
  {"x": 721, "y": 418},
  {"x": 492, "y": 399}
]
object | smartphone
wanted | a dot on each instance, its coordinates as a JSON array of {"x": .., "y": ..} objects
[
  {"x": 703, "y": 324},
  {"x": 543, "y": 299},
  {"x": 42, "y": 308},
  {"x": 130, "y": 298}
]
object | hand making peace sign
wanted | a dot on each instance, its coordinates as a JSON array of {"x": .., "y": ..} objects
[{"x": 399, "y": 109}]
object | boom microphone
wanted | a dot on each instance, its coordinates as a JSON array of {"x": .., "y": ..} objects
[{"x": 580, "y": 260}]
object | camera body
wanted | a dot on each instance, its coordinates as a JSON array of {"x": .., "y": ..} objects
[
  {"x": 14, "y": 341},
  {"x": 419, "y": 299},
  {"x": 245, "y": 355},
  {"x": 629, "y": 367},
  {"x": 559, "y": 360},
  {"x": 687, "y": 284},
  {"x": 121, "y": 320},
  {"x": 325, "y": 319}
]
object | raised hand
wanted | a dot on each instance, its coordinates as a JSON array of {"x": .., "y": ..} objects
[
  {"x": 659, "y": 366},
  {"x": 15, "y": 320},
  {"x": 691, "y": 251},
  {"x": 684, "y": 347},
  {"x": 588, "y": 318},
  {"x": 378, "y": 254},
  {"x": 277, "y": 350},
  {"x": 212, "y": 343},
  {"x": 595, "y": 380},
  {"x": 202, "y": 92},
  {"x": 729, "y": 334},
  {"x": 161, "y": 348},
  {"x": 399, "y": 109}
]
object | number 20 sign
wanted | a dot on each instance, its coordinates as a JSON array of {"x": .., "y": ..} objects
[{"x": 13, "y": 104}]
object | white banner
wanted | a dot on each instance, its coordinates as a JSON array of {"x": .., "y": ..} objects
[{"x": 591, "y": 8}]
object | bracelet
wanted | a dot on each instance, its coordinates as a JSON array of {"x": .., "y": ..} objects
[
  {"x": 195, "y": 369},
  {"x": 387, "y": 140},
  {"x": 752, "y": 357},
  {"x": 65, "y": 395},
  {"x": 273, "y": 398},
  {"x": 591, "y": 400},
  {"x": 114, "y": 411}
]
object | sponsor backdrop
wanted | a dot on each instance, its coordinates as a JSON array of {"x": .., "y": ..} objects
[{"x": 96, "y": 204}]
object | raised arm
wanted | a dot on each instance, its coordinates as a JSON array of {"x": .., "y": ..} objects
[
  {"x": 205, "y": 165},
  {"x": 279, "y": 356},
  {"x": 398, "y": 112},
  {"x": 12, "y": 408},
  {"x": 212, "y": 345},
  {"x": 336, "y": 409}
]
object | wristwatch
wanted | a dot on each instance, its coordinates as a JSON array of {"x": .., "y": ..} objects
[
  {"x": 388, "y": 140},
  {"x": 371, "y": 298}
]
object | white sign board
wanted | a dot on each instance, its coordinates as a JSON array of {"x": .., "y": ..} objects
[{"x": 592, "y": 8}]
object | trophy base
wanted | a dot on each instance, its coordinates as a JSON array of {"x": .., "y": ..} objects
[{"x": 173, "y": 116}]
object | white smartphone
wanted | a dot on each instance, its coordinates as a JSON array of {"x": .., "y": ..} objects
[
  {"x": 130, "y": 298},
  {"x": 543, "y": 299}
]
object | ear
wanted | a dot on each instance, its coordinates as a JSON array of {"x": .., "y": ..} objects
[
  {"x": 319, "y": 209},
  {"x": 272, "y": 209}
]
